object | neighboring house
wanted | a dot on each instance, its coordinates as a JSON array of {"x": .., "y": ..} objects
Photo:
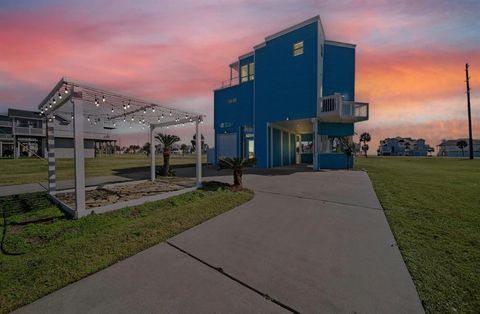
[
  {"x": 23, "y": 133},
  {"x": 449, "y": 148},
  {"x": 403, "y": 146},
  {"x": 290, "y": 101}
]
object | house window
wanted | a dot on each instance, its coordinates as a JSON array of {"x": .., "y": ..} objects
[
  {"x": 244, "y": 73},
  {"x": 251, "y": 70},
  {"x": 298, "y": 48}
]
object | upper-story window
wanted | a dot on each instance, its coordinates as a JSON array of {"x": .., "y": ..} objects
[
  {"x": 247, "y": 72},
  {"x": 298, "y": 48},
  {"x": 244, "y": 73},
  {"x": 251, "y": 70}
]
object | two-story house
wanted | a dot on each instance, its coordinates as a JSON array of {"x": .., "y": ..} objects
[
  {"x": 289, "y": 101},
  {"x": 23, "y": 134}
]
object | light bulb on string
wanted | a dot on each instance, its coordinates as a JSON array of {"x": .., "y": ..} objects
[
  {"x": 162, "y": 116},
  {"x": 66, "y": 90},
  {"x": 54, "y": 102},
  {"x": 133, "y": 119},
  {"x": 144, "y": 111},
  {"x": 113, "y": 110},
  {"x": 128, "y": 105},
  {"x": 59, "y": 96},
  {"x": 103, "y": 98},
  {"x": 170, "y": 113},
  {"x": 153, "y": 109}
]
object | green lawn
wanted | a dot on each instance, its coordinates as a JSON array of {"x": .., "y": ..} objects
[
  {"x": 433, "y": 208},
  {"x": 32, "y": 170},
  {"x": 46, "y": 251}
]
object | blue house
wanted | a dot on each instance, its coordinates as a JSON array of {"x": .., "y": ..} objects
[{"x": 290, "y": 101}]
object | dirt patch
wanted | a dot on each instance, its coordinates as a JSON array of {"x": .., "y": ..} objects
[{"x": 121, "y": 193}]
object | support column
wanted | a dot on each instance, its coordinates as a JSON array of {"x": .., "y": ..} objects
[
  {"x": 152, "y": 154},
  {"x": 198, "y": 153},
  {"x": 52, "y": 182},
  {"x": 314, "y": 142},
  {"x": 79, "y": 153}
]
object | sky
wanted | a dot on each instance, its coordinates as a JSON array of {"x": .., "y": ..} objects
[{"x": 410, "y": 56}]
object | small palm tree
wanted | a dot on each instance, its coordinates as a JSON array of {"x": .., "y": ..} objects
[
  {"x": 237, "y": 165},
  {"x": 365, "y": 137},
  {"x": 167, "y": 141},
  {"x": 462, "y": 144},
  {"x": 348, "y": 148}
]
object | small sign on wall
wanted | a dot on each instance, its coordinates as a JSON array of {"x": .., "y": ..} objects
[{"x": 225, "y": 125}]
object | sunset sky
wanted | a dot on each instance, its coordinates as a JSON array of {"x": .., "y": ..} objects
[{"x": 410, "y": 54}]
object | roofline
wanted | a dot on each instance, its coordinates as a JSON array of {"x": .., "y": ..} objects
[
  {"x": 246, "y": 55},
  {"x": 290, "y": 29},
  {"x": 340, "y": 44}
]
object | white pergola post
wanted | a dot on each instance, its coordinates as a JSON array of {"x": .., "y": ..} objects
[
  {"x": 78, "y": 137},
  {"x": 152, "y": 153},
  {"x": 198, "y": 153}
]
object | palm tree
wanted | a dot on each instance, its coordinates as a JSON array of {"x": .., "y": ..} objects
[
  {"x": 167, "y": 141},
  {"x": 237, "y": 165},
  {"x": 348, "y": 148},
  {"x": 365, "y": 137},
  {"x": 462, "y": 144}
]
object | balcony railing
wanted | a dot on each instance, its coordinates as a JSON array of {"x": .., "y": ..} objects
[
  {"x": 335, "y": 109},
  {"x": 229, "y": 83},
  {"x": 29, "y": 131},
  {"x": 6, "y": 123}
]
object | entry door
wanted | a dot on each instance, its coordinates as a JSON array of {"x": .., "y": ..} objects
[{"x": 227, "y": 145}]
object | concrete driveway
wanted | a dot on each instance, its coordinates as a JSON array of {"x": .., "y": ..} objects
[{"x": 309, "y": 242}]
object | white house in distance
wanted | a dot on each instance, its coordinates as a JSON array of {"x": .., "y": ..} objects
[
  {"x": 402, "y": 146},
  {"x": 449, "y": 148}
]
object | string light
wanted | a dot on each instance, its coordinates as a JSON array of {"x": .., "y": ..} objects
[
  {"x": 88, "y": 118},
  {"x": 170, "y": 113},
  {"x": 54, "y": 102},
  {"x": 124, "y": 107},
  {"x": 114, "y": 124},
  {"x": 162, "y": 116},
  {"x": 124, "y": 118},
  {"x": 144, "y": 111},
  {"x": 153, "y": 109},
  {"x": 103, "y": 98},
  {"x": 59, "y": 96},
  {"x": 128, "y": 105},
  {"x": 66, "y": 90},
  {"x": 133, "y": 119},
  {"x": 113, "y": 110}
]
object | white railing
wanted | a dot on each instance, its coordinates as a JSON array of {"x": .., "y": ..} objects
[
  {"x": 29, "y": 131},
  {"x": 6, "y": 123},
  {"x": 334, "y": 108},
  {"x": 229, "y": 83},
  {"x": 6, "y": 136}
]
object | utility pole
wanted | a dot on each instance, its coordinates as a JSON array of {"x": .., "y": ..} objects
[{"x": 470, "y": 139}]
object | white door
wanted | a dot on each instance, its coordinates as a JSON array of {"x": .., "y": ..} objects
[{"x": 227, "y": 145}]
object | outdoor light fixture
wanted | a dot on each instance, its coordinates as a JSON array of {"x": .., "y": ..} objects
[
  {"x": 59, "y": 96},
  {"x": 124, "y": 107},
  {"x": 162, "y": 116},
  {"x": 144, "y": 111},
  {"x": 114, "y": 124},
  {"x": 128, "y": 105},
  {"x": 103, "y": 98},
  {"x": 153, "y": 109},
  {"x": 66, "y": 90},
  {"x": 96, "y": 101},
  {"x": 124, "y": 118},
  {"x": 88, "y": 118},
  {"x": 170, "y": 113},
  {"x": 46, "y": 109},
  {"x": 112, "y": 109},
  {"x": 54, "y": 102},
  {"x": 133, "y": 119}
]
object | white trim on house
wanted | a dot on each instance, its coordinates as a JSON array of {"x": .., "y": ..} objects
[{"x": 340, "y": 44}]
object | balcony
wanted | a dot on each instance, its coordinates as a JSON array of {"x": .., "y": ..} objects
[
  {"x": 29, "y": 131},
  {"x": 6, "y": 124},
  {"x": 335, "y": 109}
]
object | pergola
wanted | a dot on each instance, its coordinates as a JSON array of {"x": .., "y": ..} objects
[{"x": 84, "y": 105}]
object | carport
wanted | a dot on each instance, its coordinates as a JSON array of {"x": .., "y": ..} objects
[{"x": 84, "y": 105}]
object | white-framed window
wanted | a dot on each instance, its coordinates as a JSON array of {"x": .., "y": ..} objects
[
  {"x": 244, "y": 73},
  {"x": 251, "y": 71},
  {"x": 298, "y": 48}
]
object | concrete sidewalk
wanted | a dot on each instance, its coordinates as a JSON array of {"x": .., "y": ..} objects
[{"x": 308, "y": 242}]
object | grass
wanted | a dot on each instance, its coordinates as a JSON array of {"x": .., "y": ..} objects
[
  {"x": 33, "y": 170},
  {"x": 46, "y": 251},
  {"x": 433, "y": 208}
]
